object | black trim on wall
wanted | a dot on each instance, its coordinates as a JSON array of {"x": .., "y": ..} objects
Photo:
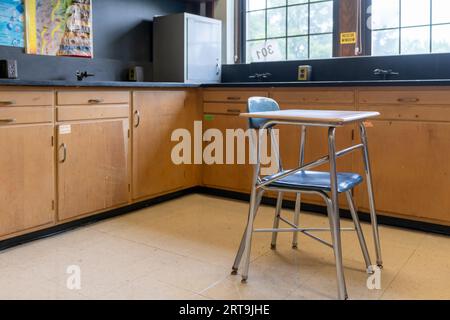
[{"x": 51, "y": 231}]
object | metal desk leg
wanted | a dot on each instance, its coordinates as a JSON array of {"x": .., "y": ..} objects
[
  {"x": 255, "y": 200},
  {"x": 249, "y": 232},
  {"x": 334, "y": 216},
  {"x": 373, "y": 214},
  {"x": 276, "y": 220},
  {"x": 362, "y": 241},
  {"x": 237, "y": 260},
  {"x": 298, "y": 198}
]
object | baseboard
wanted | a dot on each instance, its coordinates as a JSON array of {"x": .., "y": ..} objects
[{"x": 288, "y": 204}]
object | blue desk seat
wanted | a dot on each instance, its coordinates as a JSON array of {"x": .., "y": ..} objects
[{"x": 316, "y": 180}]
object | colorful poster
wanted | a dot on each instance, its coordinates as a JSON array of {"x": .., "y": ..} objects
[
  {"x": 59, "y": 27},
  {"x": 11, "y": 23}
]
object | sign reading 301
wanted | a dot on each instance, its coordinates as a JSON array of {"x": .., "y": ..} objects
[{"x": 264, "y": 52}]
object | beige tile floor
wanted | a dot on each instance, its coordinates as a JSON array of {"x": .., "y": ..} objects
[{"x": 183, "y": 249}]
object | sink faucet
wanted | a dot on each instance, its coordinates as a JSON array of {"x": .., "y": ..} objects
[
  {"x": 83, "y": 74},
  {"x": 260, "y": 76},
  {"x": 384, "y": 73}
]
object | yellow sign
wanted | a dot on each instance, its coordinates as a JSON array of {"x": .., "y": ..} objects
[{"x": 348, "y": 37}]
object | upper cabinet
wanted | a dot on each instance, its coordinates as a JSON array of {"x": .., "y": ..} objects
[{"x": 187, "y": 48}]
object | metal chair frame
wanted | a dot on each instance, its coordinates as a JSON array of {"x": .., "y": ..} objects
[{"x": 259, "y": 186}]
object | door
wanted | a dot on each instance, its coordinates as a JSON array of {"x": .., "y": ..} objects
[
  {"x": 204, "y": 51},
  {"x": 92, "y": 166},
  {"x": 156, "y": 114},
  {"x": 27, "y": 177},
  {"x": 410, "y": 168}
]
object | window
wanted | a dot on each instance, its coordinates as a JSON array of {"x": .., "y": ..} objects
[
  {"x": 288, "y": 29},
  {"x": 410, "y": 26}
]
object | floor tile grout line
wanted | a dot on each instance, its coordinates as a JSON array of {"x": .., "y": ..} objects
[{"x": 402, "y": 267}]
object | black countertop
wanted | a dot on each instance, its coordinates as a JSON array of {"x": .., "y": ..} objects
[
  {"x": 126, "y": 84},
  {"x": 362, "y": 83},
  {"x": 120, "y": 84}
]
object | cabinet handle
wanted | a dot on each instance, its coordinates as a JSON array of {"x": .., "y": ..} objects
[
  {"x": 234, "y": 98},
  {"x": 234, "y": 111},
  {"x": 7, "y": 120},
  {"x": 95, "y": 101},
  {"x": 64, "y": 147},
  {"x": 137, "y": 116},
  {"x": 6, "y": 103},
  {"x": 410, "y": 100}
]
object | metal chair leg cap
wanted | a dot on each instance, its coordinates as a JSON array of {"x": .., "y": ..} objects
[
  {"x": 234, "y": 272},
  {"x": 370, "y": 270},
  {"x": 380, "y": 265},
  {"x": 244, "y": 280},
  {"x": 273, "y": 246},
  {"x": 294, "y": 246}
]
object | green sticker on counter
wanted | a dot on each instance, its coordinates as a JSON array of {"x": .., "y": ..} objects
[{"x": 209, "y": 117}]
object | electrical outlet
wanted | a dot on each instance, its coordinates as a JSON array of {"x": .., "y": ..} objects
[{"x": 304, "y": 73}]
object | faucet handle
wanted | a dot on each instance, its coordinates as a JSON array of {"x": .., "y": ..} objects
[{"x": 83, "y": 74}]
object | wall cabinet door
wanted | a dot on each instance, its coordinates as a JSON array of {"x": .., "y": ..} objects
[
  {"x": 27, "y": 177},
  {"x": 156, "y": 114},
  {"x": 411, "y": 169},
  {"x": 92, "y": 166},
  {"x": 235, "y": 177}
]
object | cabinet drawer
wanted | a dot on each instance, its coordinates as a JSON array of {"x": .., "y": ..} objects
[
  {"x": 414, "y": 113},
  {"x": 232, "y": 96},
  {"x": 405, "y": 97},
  {"x": 92, "y": 97},
  {"x": 302, "y": 97},
  {"x": 92, "y": 112},
  {"x": 24, "y": 115},
  {"x": 26, "y": 98},
  {"x": 224, "y": 108}
]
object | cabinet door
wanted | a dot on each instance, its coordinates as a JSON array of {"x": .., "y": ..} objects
[
  {"x": 27, "y": 177},
  {"x": 92, "y": 166},
  {"x": 204, "y": 50},
  {"x": 410, "y": 167},
  {"x": 156, "y": 115},
  {"x": 235, "y": 177}
]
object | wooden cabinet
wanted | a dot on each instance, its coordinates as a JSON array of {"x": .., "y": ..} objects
[
  {"x": 411, "y": 169},
  {"x": 232, "y": 95},
  {"x": 93, "y": 151},
  {"x": 92, "y": 166},
  {"x": 86, "y": 97},
  {"x": 222, "y": 108},
  {"x": 408, "y": 147},
  {"x": 234, "y": 177},
  {"x": 25, "y": 97},
  {"x": 156, "y": 114},
  {"x": 27, "y": 177}
]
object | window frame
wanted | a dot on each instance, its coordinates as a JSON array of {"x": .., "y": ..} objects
[
  {"x": 242, "y": 5},
  {"x": 367, "y": 34}
]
